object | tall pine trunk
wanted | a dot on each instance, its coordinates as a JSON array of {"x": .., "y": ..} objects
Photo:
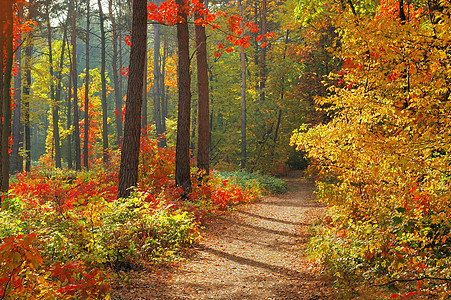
[
  {"x": 116, "y": 80},
  {"x": 75, "y": 86},
  {"x": 87, "y": 79},
  {"x": 203, "y": 129},
  {"x": 26, "y": 91},
  {"x": 6, "y": 63},
  {"x": 69, "y": 116},
  {"x": 59, "y": 85},
  {"x": 106, "y": 154},
  {"x": 16, "y": 164},
  {"x": 144, "y": 105},
  {"x": 182, "y": 158},
  {"x": 156, "y": 82},
  {"x": 282, "y": 92},
  {"x": 263, "y": 53},
  {"x": 54, "y": 105},
  {"x": 128, "y": 171},
  {"x": 243, "y": 98},
  {"x": 163, "y": 92}
]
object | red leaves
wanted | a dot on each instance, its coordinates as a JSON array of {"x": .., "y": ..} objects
[
  {"x": 167, "y": 13},
  {"x": 270, "y": 35},
  {"x": 252, "y": 27},
  {"x": 124, "y": 71},
  {"x": 404, "y": 296},
  {"x": 127, "y": 40}
]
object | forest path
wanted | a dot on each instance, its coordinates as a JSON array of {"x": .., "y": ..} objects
[{"x": 254, "y": 252}]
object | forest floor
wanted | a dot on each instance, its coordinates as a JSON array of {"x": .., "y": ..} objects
[{"x": 254, "y": 252}]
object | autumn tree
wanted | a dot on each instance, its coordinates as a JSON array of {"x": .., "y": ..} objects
[{"x": 385, "y": 147}]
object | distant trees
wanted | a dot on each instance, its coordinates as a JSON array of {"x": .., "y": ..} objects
[{"x": 228, "y": 112}]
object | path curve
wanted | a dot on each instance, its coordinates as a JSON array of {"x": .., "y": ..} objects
[{"x": 255, "y": 252}]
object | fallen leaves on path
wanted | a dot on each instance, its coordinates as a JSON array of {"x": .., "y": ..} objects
[{"x": 254, "y": 252}]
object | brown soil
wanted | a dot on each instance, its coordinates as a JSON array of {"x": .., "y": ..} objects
[{"x": 254, "y": 252}]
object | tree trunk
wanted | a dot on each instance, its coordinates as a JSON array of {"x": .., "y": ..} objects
[
  {"x": 54, "y": 105},
  {"x": 282, "y": 92},
  {"x": 263, "y": 54},
  {"x": 182, "y": 158},
  {"x": 59, "y": 87},
  {"x": 116, "y": 81},
  {"x": 156, "y": 82},
  {"x": 75, "y": 86},
  {"x": 87, "y": 79},
  {"x": 243, "y": 98},
  {"x": 203, "y": 130},
  {"x": 26, "y": 92},
  {"x": 163, "y": 99},
  {"x": 16, "y": 165},
  {"x": 257, "y": 48},
  {"x": 6, "y": 63},
  {"x": 128, "y": 172},
  {"x": 106, "y": 154},
  {"x": 69, "y": 116},
  {"x": 144, "y": 105}
]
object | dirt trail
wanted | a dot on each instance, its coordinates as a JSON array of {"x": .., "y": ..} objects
[{"x": 254, "y": 252}]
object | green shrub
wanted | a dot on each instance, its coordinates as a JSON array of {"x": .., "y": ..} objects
[{"x": 248, "y": 180}]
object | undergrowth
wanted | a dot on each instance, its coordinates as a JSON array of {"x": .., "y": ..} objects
[{"x": 63, "y": 231}]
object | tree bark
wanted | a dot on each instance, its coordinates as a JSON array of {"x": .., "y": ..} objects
[
  {"x": 106, "y": 154},
  {"x": 54, "y": 105},
  {"x": 59, "y": 87},
  {"x": 282, "y": 92},
  {"x": 75, "y": 86},
  {"x": 116, "y": 81},
  {"x": 69, "y": 116},
  {"x": 128, "y": 172},
  {"x": 182, "y": 158},
  {"x": 16, "y": 165},
  {"x": 26, "y": 92},
  {"x": 203, "y": 130},
  {"x": 144, "y": 106},
  {"x": 156, "y": 82},
  {"x": 87, "y": 80},
  {"x": 263, "y": 53},
  {"x": 163, "y": 99},
  {"x": 6, "y": 63},
  {"x": 243, "y": 98}
]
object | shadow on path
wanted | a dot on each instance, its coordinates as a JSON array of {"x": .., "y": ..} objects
[
  {"x": 269, "y": 218},
  {"x": 262, "y": 229},
  {"x": 253, "y": 263}
]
